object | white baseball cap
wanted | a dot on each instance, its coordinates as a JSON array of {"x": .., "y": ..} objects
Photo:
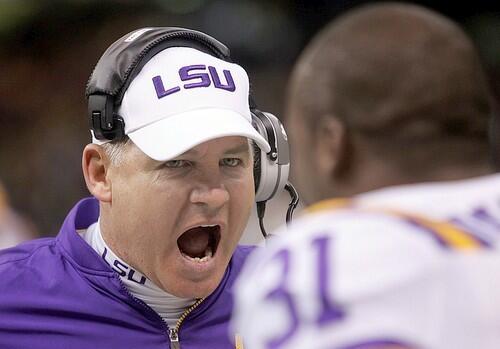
[{"x": 183, "y": 97}]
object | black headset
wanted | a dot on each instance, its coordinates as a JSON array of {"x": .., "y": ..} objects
[{"x": 124, "y": 59}]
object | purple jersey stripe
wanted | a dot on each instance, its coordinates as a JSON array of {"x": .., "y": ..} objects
[
  {"x": 431, "y": 232},
  {"x": 438, "y": 236}
]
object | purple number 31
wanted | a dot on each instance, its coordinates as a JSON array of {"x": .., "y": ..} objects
[{"x": 329, "y": 310}]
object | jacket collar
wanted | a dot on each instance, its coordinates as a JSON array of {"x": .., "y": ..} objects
[{"x": 81, "y": 216}]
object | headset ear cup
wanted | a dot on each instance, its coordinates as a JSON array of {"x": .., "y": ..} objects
[
  {"x": 257, "y": 156},
  {"x": 272, "y": 174},
  {"x": 269, "y": 172}
]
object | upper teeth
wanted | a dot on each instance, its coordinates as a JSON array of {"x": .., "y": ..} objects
[{"x": 208, "y": 225}]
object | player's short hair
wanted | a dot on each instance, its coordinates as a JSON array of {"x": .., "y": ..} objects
[{"x": 395, "y": 73}]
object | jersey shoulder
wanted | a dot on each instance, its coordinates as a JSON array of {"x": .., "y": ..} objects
[{"x": 355, "y": 240}]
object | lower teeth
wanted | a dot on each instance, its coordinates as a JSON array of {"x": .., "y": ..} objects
[{"x": 208, "y": 254}]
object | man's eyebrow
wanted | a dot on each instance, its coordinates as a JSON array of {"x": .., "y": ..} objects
[{"x": 242, "y": 148}]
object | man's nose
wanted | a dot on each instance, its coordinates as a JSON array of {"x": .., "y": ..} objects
[{"x": 212, "y": 196}]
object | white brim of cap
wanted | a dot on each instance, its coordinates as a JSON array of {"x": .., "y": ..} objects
[{"x": 172, "y": 136}]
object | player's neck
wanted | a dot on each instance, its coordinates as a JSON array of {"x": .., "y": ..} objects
[{"x": 368, "y": 179}]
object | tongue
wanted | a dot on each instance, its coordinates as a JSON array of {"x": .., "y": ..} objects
[{"x": 194, "y": 242}]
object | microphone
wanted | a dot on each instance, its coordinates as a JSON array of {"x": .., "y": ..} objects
[
  {"x": 293, "y": 203},
  {"x": 261, "y": 208}
]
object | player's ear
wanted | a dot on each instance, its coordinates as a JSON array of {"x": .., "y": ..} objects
[
  {"x": 95, "y": 164},
  {"x": 331, "y": 142}
]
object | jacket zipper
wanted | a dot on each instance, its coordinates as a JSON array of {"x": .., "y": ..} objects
[
  {"x": 173, "y": 333},
  {"x": 148, "y": 308}
]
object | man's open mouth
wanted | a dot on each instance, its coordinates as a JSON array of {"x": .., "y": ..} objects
[{"x": 200, "y": 243}]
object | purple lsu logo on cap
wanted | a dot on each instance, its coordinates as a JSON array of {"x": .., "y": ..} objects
[{"x": 189, "y": 73}]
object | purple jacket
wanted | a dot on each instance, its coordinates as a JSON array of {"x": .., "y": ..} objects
[{"x": 58, "y": 293}]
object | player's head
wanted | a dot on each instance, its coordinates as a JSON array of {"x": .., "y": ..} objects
[
  {"x": 386, "y": 94},
  {"x": 176, "y": 188}
]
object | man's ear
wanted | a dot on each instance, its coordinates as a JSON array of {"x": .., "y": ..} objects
[
  {"x": 332, "y": 146},
  {"x": 95, "y": 164}
]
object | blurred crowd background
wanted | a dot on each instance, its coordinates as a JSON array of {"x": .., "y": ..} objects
[{"x": 48, "y": 49}]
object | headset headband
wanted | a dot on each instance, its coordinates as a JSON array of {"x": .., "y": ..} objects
[{"x": 124, "y": 59}]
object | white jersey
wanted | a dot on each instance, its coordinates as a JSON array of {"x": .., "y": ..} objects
[{"x": 405, "y": 267}]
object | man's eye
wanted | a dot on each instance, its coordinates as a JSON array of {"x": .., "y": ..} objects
[
  {"x": 231, "y": 162},
  {"x": 176, "y": 163}
]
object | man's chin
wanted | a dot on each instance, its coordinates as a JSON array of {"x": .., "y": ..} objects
[
  {"x": 194, "y": 288},
  {"x": 195, "y": 291}
]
